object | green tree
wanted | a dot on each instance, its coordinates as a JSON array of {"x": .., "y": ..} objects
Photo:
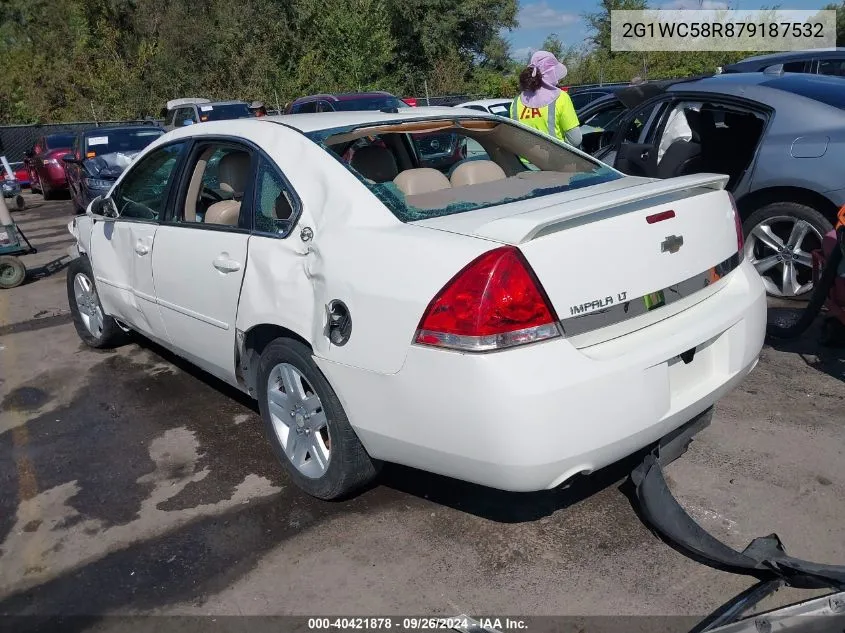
[
  {"x": 553, "y": 44},
  {"x": 840, "y": 21},
  {"x": 599, "y": 21}
]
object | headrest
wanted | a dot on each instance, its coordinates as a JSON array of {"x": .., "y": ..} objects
[
  {"x": 415, "y": 181},
  {"x": 474, "y": 172},
  {"x": 233, "y": 171},
  {"x": 374, "y": 162}
]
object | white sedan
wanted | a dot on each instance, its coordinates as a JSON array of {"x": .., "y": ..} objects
[{"x": 533, "y": 316}]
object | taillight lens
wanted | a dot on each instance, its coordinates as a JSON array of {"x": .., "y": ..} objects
[
  {"x": 740, "y": 238},
  {"x": 495, "y": 302}
]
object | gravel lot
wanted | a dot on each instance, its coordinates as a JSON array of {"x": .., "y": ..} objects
[{"x": 132, "y": 483}]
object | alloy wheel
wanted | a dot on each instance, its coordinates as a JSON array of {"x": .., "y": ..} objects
[
  {"x": 780, "y": 249},
  {"x": 299, "y": 420},
  {"x": 88, "y": 304}
]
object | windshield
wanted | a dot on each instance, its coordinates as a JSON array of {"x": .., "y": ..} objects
[
  {"x": 376, "y": 102},
  {"x": 481, "y": 163},
  {"x": 215, "y": 112},
  {"x": 59, "y": 141},
  {"x": 110, "y": 141},
  {"x": 826, "y": 92}
]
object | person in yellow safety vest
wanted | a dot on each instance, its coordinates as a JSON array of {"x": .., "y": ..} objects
[{"x": 541, "y": 104}]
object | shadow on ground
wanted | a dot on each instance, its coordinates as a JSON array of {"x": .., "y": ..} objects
[{"x": 816, "y": 347}]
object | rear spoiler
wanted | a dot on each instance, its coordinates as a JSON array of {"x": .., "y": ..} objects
[{"x": 523, "y": 227}]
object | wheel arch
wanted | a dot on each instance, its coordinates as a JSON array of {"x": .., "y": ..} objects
[
  {"x": 250, "y": 345},
  {"x": 758, "y": 199}
]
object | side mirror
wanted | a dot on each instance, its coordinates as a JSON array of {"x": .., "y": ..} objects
[
  {"x": 70, "y": 158},
  {"x": 187, "y": 122},
  {"x": 104, "y": 208}
]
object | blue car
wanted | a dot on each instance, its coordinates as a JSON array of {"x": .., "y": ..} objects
[{"x": 99, "y": 156}]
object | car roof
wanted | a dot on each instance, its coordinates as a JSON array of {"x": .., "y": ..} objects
[
  {"x": 123, "y": 128},
  {"x": 316, "y": 122},
  {"x": 200, "y": 102},
  {"x": 343, "y": 96},
  {"x": 769, "y": 59}
]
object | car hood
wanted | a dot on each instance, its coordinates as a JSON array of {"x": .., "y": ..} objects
[{"x": 109, "y": 166}]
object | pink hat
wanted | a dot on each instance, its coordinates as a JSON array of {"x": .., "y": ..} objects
[{"x": 550, "y": 68}]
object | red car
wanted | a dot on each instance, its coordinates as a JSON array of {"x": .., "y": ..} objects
[
  {"x": 20, "y": 172},
  {"x": 45, "y": 165}
]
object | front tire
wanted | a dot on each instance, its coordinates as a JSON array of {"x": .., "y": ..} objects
[
  {"x": 779, "y": 240},
  {"x": 94, "y": 326},
  {"x": 306, "y": 424}
]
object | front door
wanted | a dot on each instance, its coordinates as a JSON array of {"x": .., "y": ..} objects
[
  {"x": 121, "y": 249},
  {"x": 637, "y": 140},
  {"x": 201, "y": 253}
]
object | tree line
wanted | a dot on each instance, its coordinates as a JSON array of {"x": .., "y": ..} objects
[{"x": 123, "y": 59}]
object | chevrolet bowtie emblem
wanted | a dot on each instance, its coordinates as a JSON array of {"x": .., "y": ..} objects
[{"x": 672, "y": 244}]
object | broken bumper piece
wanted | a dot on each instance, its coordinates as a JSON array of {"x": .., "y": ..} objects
[{"x": 764, "y": 559}]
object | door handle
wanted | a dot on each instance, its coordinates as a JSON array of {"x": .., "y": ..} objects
[
  {"x": 644, "y": 155},
  {"x": 141, "y": 249},
  {"x": 226, "y": 265}
]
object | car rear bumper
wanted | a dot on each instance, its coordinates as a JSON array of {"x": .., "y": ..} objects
[
  {"x": 54, "y": 176},
  {"x": 533, "y": 417}
]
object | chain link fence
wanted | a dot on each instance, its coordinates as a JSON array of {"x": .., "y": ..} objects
[{"x": 16, "y": 140}]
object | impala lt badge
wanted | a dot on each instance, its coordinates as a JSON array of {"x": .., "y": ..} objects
[{"x": 672, "y": 244}]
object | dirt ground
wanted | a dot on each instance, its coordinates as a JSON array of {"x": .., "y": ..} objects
[{"x": 132, "y": 483}]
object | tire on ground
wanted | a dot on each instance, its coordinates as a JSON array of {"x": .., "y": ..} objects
[
  {"x": 350, "y": 468},
  {"x": 112, "y": 335},
  {"x": 12, "y": 272}
]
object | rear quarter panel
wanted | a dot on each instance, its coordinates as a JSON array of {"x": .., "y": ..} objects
[
  {"x": 386, "y": 272},
  {"x": 812, "y": 124}
]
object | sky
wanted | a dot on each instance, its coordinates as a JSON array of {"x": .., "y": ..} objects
[{"x": 539, "y": 18}]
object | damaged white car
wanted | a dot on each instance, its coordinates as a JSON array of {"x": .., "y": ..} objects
[{"x": 513, "y": 319}]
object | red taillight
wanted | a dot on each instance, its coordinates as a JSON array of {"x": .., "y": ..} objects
[
  {"x": 740, "y": 238},
  {"x": 411, "y": 101},
  {"x": 493, "y": 303}
]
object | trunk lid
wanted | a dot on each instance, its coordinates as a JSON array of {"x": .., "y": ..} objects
[{"x": 608, "y": 254}]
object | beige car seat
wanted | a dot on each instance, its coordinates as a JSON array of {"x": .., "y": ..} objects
[
  {"x": 412, "y": 182},
  {"x": 475, "y": 172},
  {"x": 232, "y": 172}
]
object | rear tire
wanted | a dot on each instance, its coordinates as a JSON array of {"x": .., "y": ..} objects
[
  {"x": 12, "y": 272},
  {"x": 303, "y": 415},
  {"x": 768, "y": 232},
  {"x": 94, "y": 326}
]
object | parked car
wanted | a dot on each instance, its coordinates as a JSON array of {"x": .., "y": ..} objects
[
  {"x": 500, "y": 107},
  {"x": 813, "y": 61},
  {"x": 20, "y": 172},
  {"x": 99, "y": 156},
  {"x": 514, "y": 325},
  {"x": 191, "y": 110},
  {"x": 436, "y": 150},
  {"x": 45, "y": 166},
  {"x": 780, "y": 138},
  {"x": 346, "y": 102}
]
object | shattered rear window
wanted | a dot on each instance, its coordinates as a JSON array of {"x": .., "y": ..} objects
[{"x": 428, "y": 169}]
